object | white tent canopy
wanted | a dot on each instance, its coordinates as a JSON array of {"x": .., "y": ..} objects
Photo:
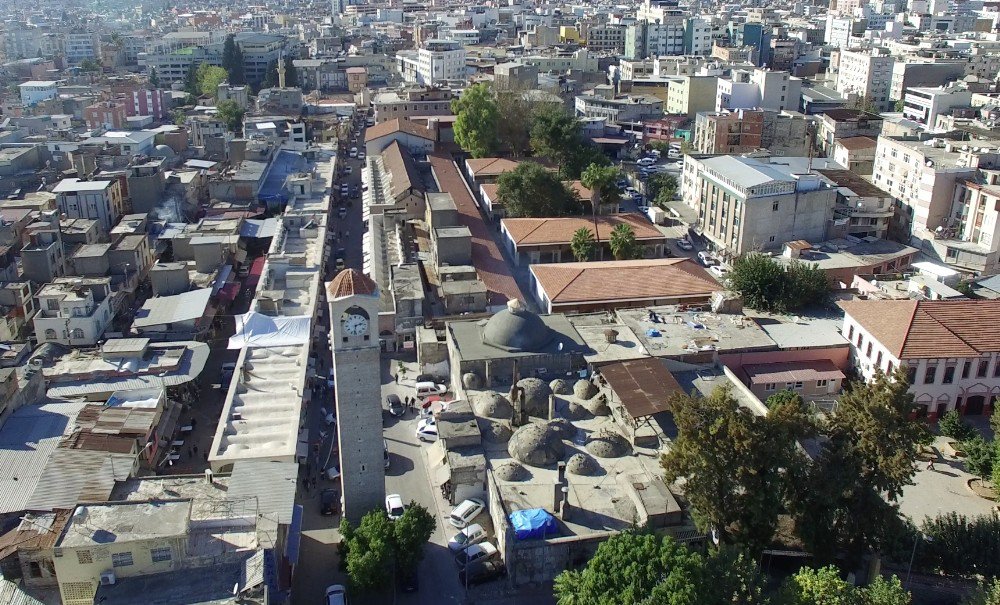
[{"x": 258, "y": 330}]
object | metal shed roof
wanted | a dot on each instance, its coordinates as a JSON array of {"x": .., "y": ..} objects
[{"x": 642, "y": 385}]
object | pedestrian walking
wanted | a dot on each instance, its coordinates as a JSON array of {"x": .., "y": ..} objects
[
  {"x": 930, "y": 464},
  {"x": 397, "y": 378}
]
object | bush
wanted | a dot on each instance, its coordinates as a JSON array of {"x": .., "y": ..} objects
[
  {"x": 953, "y": 426},
  {"x": 962, "y": 545},
  {"x": 768, "y": 286},
  {"x": 979, "y": 455}
]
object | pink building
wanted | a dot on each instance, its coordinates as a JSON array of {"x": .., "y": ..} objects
[{"x": 144, "y": 102}]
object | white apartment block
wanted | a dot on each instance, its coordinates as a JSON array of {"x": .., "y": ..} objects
[
  {"x": 438, "y": 61},
  {"x": 36, "y": 91},
  {"x": 971, "y": 242},
  {"x": 79, "y": 46},
  {"x": 73, "y": 311},
  {"x": 758, "y": 88},
  {"x": 412, "y": 103},
  {"x": 925, "y": 104},
  {"x": 950, "y": 349},
  {"x": 747, "y": 204},
  {"x": 97, "y": 200},
  {"x": 866, "y": 74}
]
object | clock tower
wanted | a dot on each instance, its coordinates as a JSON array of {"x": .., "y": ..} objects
[{"x": 353, "y": 300}]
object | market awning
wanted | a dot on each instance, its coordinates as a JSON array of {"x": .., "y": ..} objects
[{"x": 229, "y": 292}]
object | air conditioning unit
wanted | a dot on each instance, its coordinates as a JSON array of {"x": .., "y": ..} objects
[{"x": 107, "y": 578}]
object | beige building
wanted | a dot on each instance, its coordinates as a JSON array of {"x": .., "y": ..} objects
[
  {"x": 689, "y": 95},
  {"x": 412, "y": 102},
  {"x": 867, "y": 74}
]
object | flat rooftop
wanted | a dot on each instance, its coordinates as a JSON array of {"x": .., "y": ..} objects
[
  {"x": 680, "y": 332},
  {"x": 93, "y": 524}
]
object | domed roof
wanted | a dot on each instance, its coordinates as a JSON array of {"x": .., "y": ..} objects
[
  {"x": 517, "y": 328},
  {"x": 164, "y": 151},
  {"x": 350, "y": 283}
]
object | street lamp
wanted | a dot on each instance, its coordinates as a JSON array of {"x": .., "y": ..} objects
[{"x": 921, "y": 537}]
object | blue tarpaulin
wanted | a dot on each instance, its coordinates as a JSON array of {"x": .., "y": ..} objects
[{"x": 533, "y": 523}]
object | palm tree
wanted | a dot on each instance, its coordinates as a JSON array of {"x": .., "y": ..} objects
[
  {"x": 599, "y": 179},
  {"x": 582, "y": 244},
  {"x": 623, "y": 244}
]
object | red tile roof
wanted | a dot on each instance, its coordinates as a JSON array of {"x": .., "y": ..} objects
[
  {"x": 930, "y": 329},
  {"x": 793, "y": 371},
  {"x": 397, "y": 125},
  {"x": 627, "y": 280},
  {"x": 350, "y": 283},
  {"x": 560, "y": 230},
  {"x": 490, "y": 265}
]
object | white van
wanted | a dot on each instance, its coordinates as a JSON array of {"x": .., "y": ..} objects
[{"x": 426, "y": 389}]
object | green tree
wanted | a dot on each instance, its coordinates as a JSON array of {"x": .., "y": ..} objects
[
  {"x": 230, "y": 112},
  {"x": 806, "y": 285},
  {"x": 178, "y": 117},
  {"x": 847, "y": 502},
  {"x": 666, "y": 190},
  {"x": 953, "y": 426},
  {"x": 582, "y": 244},
  {"x": 822, "y": 586},
  {"x": 154, "y": 78},
  {"x": 760, "y": 280},
  {"x": 601, "y": 180},
  {"x": 476, "y": 122},
  {"x": 623, "y": 244},
  {"x": 785, "y": 397},
  {"x": 209, "y": 77},
  {"x": 513, "y": 125},
  {"x": 410, "y": 533},
  {"x": 898, "y": 106},
  {"x": 191, "y": 80},
  {"x": 739, "y": 468},
  {"x": 291, "y": 74},
  {"x": 555, "y": 134},
  {"x": 232, "y": 61},
  {"x": 636, "y": 568},
  {"x": 979, "y": 455},
  {"x": 89, "y": 65},
  {"x": 960, "y": 545},
  {"x": 532, "y": 191},
  {"x": 366, "y": 551},
  {"x": 987, "y": 593},
  {"x": 885, "y": 592}
]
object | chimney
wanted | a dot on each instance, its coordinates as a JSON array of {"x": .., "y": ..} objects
[{"x": 552, "y": 407}]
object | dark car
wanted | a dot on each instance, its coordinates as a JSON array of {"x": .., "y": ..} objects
[
  {"x": 409, "y": 581},
  {"x": 396, "y": 407},
  {"x": 478, "y": 572},
  {"x": 329, "y": 501}
]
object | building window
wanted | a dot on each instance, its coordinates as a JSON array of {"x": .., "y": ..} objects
[
  {"x": 878, "y": 359},
  {"x": 774, "y": 206},
  {"x": 868, "y": 351},
  {"x": 949, "y": 375},
  {"x": 966, "y": 368},
  {"x": 996, "y": 370},
  {"x": 822, "y": 383},
  {"x": 83, "y": 557},
  {"x": 121, "y": 559},
  {"x": 850, "y": 332},
  {"x": 159, "y": 555},
  {"x": 769, "y": 386},
  {"x": 50, "y": 333},
  {"x": 911, "y": 375},
  {"x": 930, "y": 373},
  {"x": 78, "y": 333}
]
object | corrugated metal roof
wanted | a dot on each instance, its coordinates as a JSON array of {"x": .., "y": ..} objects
[
  {"x": 272, "y": 483},
  {"x": 11, "y": 594},
  {"x": 74, "y": 476},
  {"x": 27, "y": 440},
  {"x": 159, "y": 310},
  {"x": 191, "y": 365}
]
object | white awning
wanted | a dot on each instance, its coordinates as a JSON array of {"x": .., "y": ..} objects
[{"x": 258, "y": 330}]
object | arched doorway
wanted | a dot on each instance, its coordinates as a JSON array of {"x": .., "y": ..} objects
[{"x": 974, "y": 405}]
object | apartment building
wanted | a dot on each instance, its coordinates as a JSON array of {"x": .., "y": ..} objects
[
  {"x": 758, "y": 88},
  {"x": 950, "y": 349},
  {"x": 866, "y": 209},
  {"x": 606, "y": 37},
  {"x": 622, "y": 109},
  {"x": 147, "y": 102},
  {"x": 412, "y": 102},
  {"x": 837, "y": 124},
  {"x": 98, "y": 200},
  {"x": 700, "y": 35},
  {"x": 515, "y": 76},
  {"x": 36, "y": 91},
  {"x": 80, "y": 46},
  {"x": 42, "y": 256},
  {"x": 744, "y": 130},
  {"x": 971, "y": 242},
  {"x": 437, "y": 61},
  {"x": 867, "y": 74},
  {"x": 656, "y": 38},
  {"x": 909, "y": 73},
  {"x": 924, "y": 104},
  {"x": 73, "y": 311},
  {"x": 747, "y": 204},
  {"x": 922, "y": 175},
  {"x": 689, "y": 95},
  {"x": 107, "y": 115}
]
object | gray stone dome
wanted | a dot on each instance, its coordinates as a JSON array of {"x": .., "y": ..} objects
[
  {"x": 582, "y": 464},
  {"x": 536, "y": 396},
  {"x": 471, "y": 380},
  {"x": 492, "y": 405},
  {"x": 564, "y": 427},
  {"x": 606, "y": 443},
  {"x": 561, "y": 386},
  {"x": 536, "y": 445},
  {"x": 512, "y": 471},
  {"x": 584, "y": 389},
  {"x": 163, "y": 151},
  {"x": 575, "y": 411},
  {"x": 517, "y": 329},
  {"x": 495, "y": 431}
]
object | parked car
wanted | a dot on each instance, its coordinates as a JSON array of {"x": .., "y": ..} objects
[
  {"x": 476, "y": 552},
  {"x": 394, "y": 506},
  {"x": 706, "y": 259},
  {"x": 465, "y": 512},
  {"x": 427, "y": 432},
  {"x": 426, "y": 389},
  {"x": 361, "y": 155},
  {"x": 329, "y": 501},
  {"x": 472, "y": 534},
  {"x": 395, "y": 405},
  {"x": 718, "y": 271},
  {"x": 336, "y": 595},
  {"x": 481, "y": 571},
  {"x": 341, "y": 212},
  {"x": 683, "y": 244},
  {"x": 354, "y": 152},
  {"x": 349, "y": 170},
  {"x": 645, "y": 161}
]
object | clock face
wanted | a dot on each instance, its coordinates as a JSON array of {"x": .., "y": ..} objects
[{"x": 355, "y": 325}]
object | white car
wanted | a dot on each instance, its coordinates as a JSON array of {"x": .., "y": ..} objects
[
  {"x": 427, "y": 432},
  {"x": 348, "y": 170},
  {"x": 394, "y": 506},
  {"x": 683, "y": 244},
  {"x": 465, "y": 512},
  {"x": 336, "y": 595},
  {"x": 473, "y": 534},
  {"x": 483, "y": 550},
  {"x": 354, "y": 152},
  {"x": 361, "y": 155},
  {"x": 718, "y": 271},
  {"x": 645, "y": 161}
]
